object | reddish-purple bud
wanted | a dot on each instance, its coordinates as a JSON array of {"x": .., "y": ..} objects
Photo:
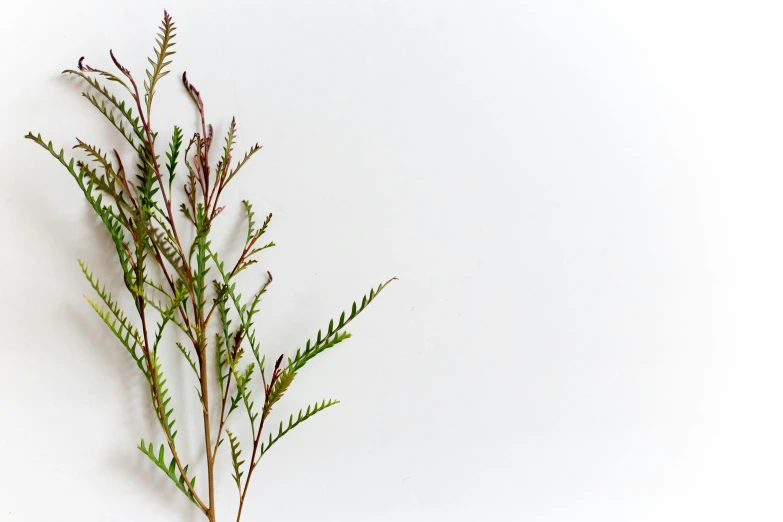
[{"x": 83, "y": 66}]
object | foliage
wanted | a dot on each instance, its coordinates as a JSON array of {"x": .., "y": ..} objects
[{"x": 172, "y": 282}]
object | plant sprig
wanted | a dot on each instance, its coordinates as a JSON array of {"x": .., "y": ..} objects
[{"x": 172, "y": 282}]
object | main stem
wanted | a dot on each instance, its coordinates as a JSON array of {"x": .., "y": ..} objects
[{"x": 207, "y": 436}]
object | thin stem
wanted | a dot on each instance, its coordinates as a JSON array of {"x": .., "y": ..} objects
[
  {"x": 257, "y": 439},
  {"x": 222, "y": 412}
]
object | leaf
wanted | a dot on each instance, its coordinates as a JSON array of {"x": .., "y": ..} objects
[
  {"x": 163, "y": 50},
  {"x": 243, "y": 380},
  {"x": 83, "y": 67},
  {"x": 245, "y": 316},
  {"x": 187, "y": 355},
  {"x": 116, "y": 319},
  {"x": 110, "y": 220},
  {"x": 235, "y": 453},
  {"x": 257, "y": 250},
  {"x": 278, "y": 389},
  {"x": 255, "y": 148},
  {"x": 125, "y": 109},
  {"x": 201, "y": 248},
  {"x": 250, "y": 223},
  {"x": 248, "y": 326},
  {"x": 333, "y": 335},
  {"x": 234, "y": 404},
  {"x": 303, "y": 356},
  {"x": 128, "y": 340},
  {"x": 173, "y": 154},
  {"x": 222, "y": 361},
  {"x": 108, "y": 182},
  {"x": 225, "y": 161},
  {"x": 170, "y": 470},
  {"x": 311, "y": 410},
  {"x": 170, "y": 251}
]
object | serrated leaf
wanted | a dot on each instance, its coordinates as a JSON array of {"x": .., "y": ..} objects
[
  {"x": 164, "y": 42},
  {"x": 235, "y": 453},
  {"x": 293, "y": 424},
  {"x": 333, "y": 336},
  {"x": 170, "y": 470},
  {"x": 173, "y": 155},
  {"x": 116, "y": 320},
  {"x": 278, "y": 389}
]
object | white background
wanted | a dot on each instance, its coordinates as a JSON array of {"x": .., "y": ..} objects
[{"x": 582, "y": 201}]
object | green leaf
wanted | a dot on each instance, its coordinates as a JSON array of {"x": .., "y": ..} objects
[
  {"x": 201, "y": 248},
  {"x": 173, "y": 154},
  {"x": 163, "y": 50},
  {"x": 120, "y": 105},
  {"x": 222, "y": 342},
  {"x": 111, "y": 221},
  {"x": 255, "y": 148},
  {"x": 243, "y": 390},
  {"x": 250, "y": 222},
  {"x": 116, "y": 320},
  {"x": 164, "y": 414},
  {"x": 128, "y": 134},
  {"x": 235, "y": 453},
  {"x": 111, "y": 183},
  {"x": 282, "y": 432},
  {"x": 225, "y": 161},
  {"x": 245, "y": 315},
  {"x": 170, "y": 470},
  {"x": 161, "y": 240},
  {"x": 187, "y": 355},
  {"x": 333, "y": 335}
]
